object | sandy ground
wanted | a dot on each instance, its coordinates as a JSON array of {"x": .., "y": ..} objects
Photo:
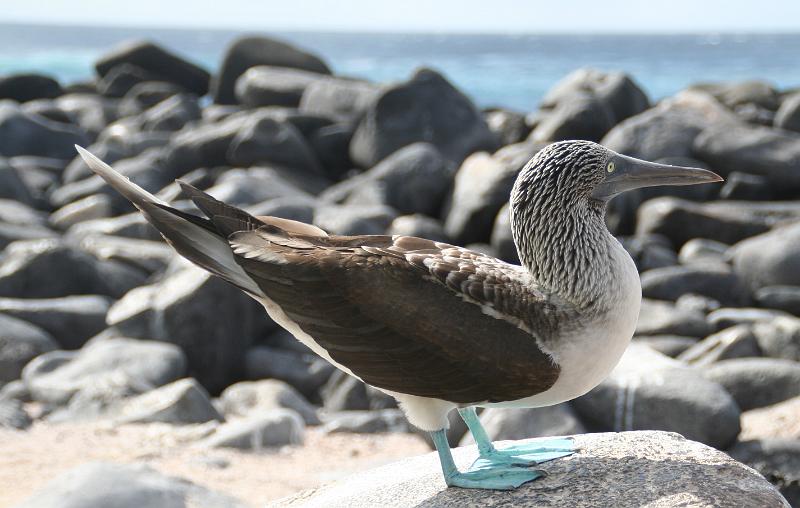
[{"x": 29, "y": 459}]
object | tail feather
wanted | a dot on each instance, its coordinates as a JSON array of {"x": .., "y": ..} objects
[{"x": 195, "y": 238}]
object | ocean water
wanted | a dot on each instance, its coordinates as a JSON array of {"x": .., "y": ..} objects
[{"x": 513, "y": 71}]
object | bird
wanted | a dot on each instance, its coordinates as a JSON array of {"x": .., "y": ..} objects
[{"x": 441, "y": 327}]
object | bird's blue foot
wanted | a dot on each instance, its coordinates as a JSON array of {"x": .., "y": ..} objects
[{"x": 495, "y": 477}]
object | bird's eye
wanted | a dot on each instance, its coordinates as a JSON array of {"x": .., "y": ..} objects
[{"x": 611, "y": 167}]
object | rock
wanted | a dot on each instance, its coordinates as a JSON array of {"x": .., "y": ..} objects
[
  {"x": 414, "y": 179},
  {"x": 649, "y": 252},
  {"x": 366, "y": 422},
  {"x": 175, "y": 310},
  {"x": 120, "y": 79},
  {"x": 90, "y": 111},
  {"x": 56, "y": 376},
  {"x": 745, "y": 186},
  {"x": 71, "y": 320},
  {"x": 740, "y": 93},
  {"x": 245, "y": 398},
  {"x": 50, "y": 268},
  {"x": 502, "y": 239},
  {"x": 354, "y": 219},
  {"x": 248, "y": 187},
  {"x": 20, "y": 342},
  {"x": 180, "y": 402},
  {"x": 278, "y": 427},
  {"x": 583, "y": 116},
  {"x": 649, "y": 391},
  {"x": 13, "y": 415},
  {"x": 146, "y": 255},
  {"x": 425, "y": 108},
  {"x": 247, "y": 52},
  {"x": 757, "y": 382},
  {"x": 27, "y": 87},
  {"x": 263, "y": 140},
  {"x": 143, "y": 96},
  {"x": 420, "y": 226},
  {"x": 16, "y": 390},
  {"x": 156, "y": 61},
  {"x": 785, "y": 298},
  {"x": 715, "y": 281},
  {"x": 659, "y": 318},
  {"x": 171, "y": 114},
  {"x": 670, "y": 472},
  {"x": 12, "y": 186},
  {"x": 701, "y": 250},
  {"x": 266, "y": 85},
  {"x": 344, "y": 392},
  {"x": 781, "y": 420},
  {"x": 777, "y": 459},
  {"x": 722, "y": 318},
  {"x": 681, "y": 220},
  {"x": 103, "y": 484},
  {"x": 779, "y": 337},
  {"x": 306, "y": 372},
  {"x": 96, "y": 206},
  {"x": 286, "y": 208},
  {"x": 509, "y": 127},
  {"x": 504, "y": 424},
  {"x": 769, "y": 259},
  {"x": 670, "y": 345},
  {"x": 14, "y": 212},
  {"x": 331, "y": 145},
  {"x": 23, "y": 133},
  {"x": 343, "y": 100},
  {"x": 758, "y": 150},
  {"x": 131, "y": 225},
  {"x": 734, "y": 342},
  {"x": 788, "y": 114},
  {"x": 696, "y": 302}
]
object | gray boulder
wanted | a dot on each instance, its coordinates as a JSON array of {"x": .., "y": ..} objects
[
  {"x": 670, "y": 345},
  {"x": 107, "y": 485},
  {"x": 274, "y": 428},
  {"x": 343, "y": 392},
  {"x": 247, "y": 52},
  {"x": 29, "y": 86},
  {"x": 343, "y": 100},
  {"x": 171, "y": 114},
  {"x": 71, "y": 320},
  {"x": 739, "y": 93},
  {"x": 366, "y": 422},
  {"x": 616, "y": 90},
  {"x": 788, "y": 115},
  {"x": 769, "y": 259},
  {"x": 734, "y": 342},
  {"x": 509, "y": 127},
  {"x": 715, "y": 281},
  {"x": 175, "y": 310},
  {"x": 304, "y": 371},
  {"x": 331, "y": 145},
  {"x": 158, "y": 62},
  {"x": 137, "y": 365},
  {"x": 779, "y": 337},
  {"x": 756, "y": 382},
  {"x": 744, "y": 186},
  {"x": 670, "y": 472},
  {"x": 420, "y": 226},
  {"x": 504, "y": 424},
  {"x": 241, "y": 187},
  {"x": 701, "y": 250},
  {"x": 143, "y": 96},
  {"x": 649, "y": 391},
  {"x": 13, "y": 414},
  {"x": 425, "y": 108},
  {"x": 583, "y": 116},
  {"x": 146, "y": 255},
  {"x": 91, "y": 112},
  {"x": 778, "y": 460},
  {"x": 502, "y": 239},
  {"x": 354, "y": 219},
  {"x": 180, "y": 402},
  {"x": 96, "y": 206},
  {"x": 664, "y": 318},
  {"x": 248, "y": 397},
  {"x": 649, "y": 252},
  {"x": 785, "y": 298},
  {"x": 119, "y": 80},
  {"x": 12, "y": 186},
  {"x": 24, "y": 133},
  {"x": 20, "y": 342},
  {"x": 266, "y": 85}
]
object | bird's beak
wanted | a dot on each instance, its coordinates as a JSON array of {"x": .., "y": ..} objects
[{"x": 626, "y": 173}]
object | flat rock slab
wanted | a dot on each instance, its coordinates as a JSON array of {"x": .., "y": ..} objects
[{"x": 648, "y": 468}]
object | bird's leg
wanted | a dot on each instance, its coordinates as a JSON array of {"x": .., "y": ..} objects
[
  {"x": 523, "y": 454},
  {"x": 484, "y": 476}
]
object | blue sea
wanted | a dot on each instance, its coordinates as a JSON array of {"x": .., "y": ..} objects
[{"x": 513, "y": 71}]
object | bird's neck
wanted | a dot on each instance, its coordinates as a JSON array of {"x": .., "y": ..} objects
[{"x": 568, "y": 251}]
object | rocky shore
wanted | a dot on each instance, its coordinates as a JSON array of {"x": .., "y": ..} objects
[{"x": 101, "y": 323}]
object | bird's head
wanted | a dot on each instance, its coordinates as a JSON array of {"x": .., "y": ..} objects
[{"x": 571, "y": 173}]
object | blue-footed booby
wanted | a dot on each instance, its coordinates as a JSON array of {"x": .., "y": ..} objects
[{"x": 441, "y": 327}]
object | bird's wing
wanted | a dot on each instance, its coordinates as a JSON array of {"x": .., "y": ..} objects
[{"x": 406, "y": 314}]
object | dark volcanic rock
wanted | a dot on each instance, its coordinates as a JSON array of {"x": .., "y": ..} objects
[
  {"x": 647, "y": 390},
  {"x": 745, "y": 186},
  {"x": 649, "y": 252},
  {"x": 420, "y": 226},
  {"x": 175, "y": 310},
  {"x": 248, "y": 187},
  {"x": 247, "y": 52},
  {"x": 91, "y": 112},
  {"x": 508, "y": 126},
  {"x": 785, "y": 298},
  {"x": 756, "y": 382},
  {"x": 368, "y": 422},
  {"x": 502, "y": 239},
  {"x": 157, "y": 61},
  {"x": 779, "y": 337},
  {"x": 27, "y": 87},
  {"x": 120, "y": 79},
  {"x": 181, "y": 402},
  {"x": 715, "y": 281},
  {"x": 133, "y": 365},
  {"x": 50, "y": 268},
  {"x": 246, "y": 398},
  {"x": 788, "y": 115},
  {"x": 12, "y": 186},
  {"x": 659, "y": 318},
  {"x": 13, "y": 414},
  {"x": 304, "y": 371},
  {"x": 146, "y": 95},
  {"x": 171, "y": 114},
  {"x": 425, "y": 108},
  {"x": 266, "y": 85},
  {"x": 741, "y": 93},
  {"x": 23, "y": 133},
  {"x": 734, "y": 342},
  {"x": 278, "y": 427},
  {"x": 71, "y": 320},
  {"x": 769, "y": 259},
  {"x": 354, "y": 219},
  {"x": 101, "y": 484},
  {"x": 340, "y": 99},
  {"x": 331, "y": 145},
  {"x": 20, "y": 342},
  {"x": 517, "y": 423},
  {"x": 670, "y": 345},
  {"x": 724, "y": 317},
  {"x": 777, "y": 459},
  {"x": 583, "y": 116}
]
